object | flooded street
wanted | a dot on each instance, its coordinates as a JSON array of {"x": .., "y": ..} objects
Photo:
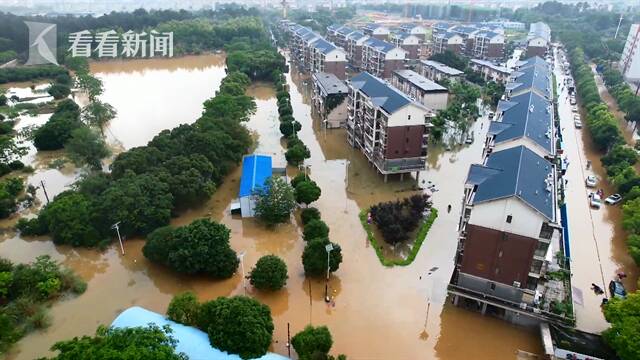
[
  {"x": 597, "y": 239},
  {"x": 377, "y": 313}
]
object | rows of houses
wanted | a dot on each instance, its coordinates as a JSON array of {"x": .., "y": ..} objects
[
  {"x": 510, "y": 228},
  {"x": 538, "y": 39},
  {"x": 313, "y": 53},
  {"x": 479, "y": 40}
]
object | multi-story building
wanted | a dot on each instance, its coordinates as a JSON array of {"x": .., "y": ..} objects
[
  {"x": 381, "y": 58},
  {"x": 630, "y": 60},
  {"x": 486, "y": 44},
  {"x": 532, "y": 75},
  {"x": 538, "y": 39},
  {"x": 329, "y": 99},
  {"x": 355, "y": 40},
  {"x": 337, "y": 34},
  {"x": 438, "y": 72},
  {"x": 421, "y": 89},
  {"x": 328, "y": 58},
  {"x": 490, "y": 71},
  {"x": 376, "y": 31},
  {"x": 388, "y": 127},
  {"x": 415, "y": 29},
  {"x": 442, "y": 27},
  {"x": 408, "y": 42},
  {"x": 447, "y": 41}
]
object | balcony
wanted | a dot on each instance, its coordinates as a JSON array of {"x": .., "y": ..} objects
[{"x": 392, "y": 166}]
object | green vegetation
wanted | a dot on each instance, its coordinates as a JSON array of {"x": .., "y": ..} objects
[
  {"x": 184, "y": 308},
  {"x": 396, "y": 220},
  {"x": 460, "y": 113},
  {"x": 315, "y": 228},
  {"x": 451, "y": 59},
  {"x": 624, "y": 333},
  {"x": 25, "y": 292},
  {"x": 307, "y": 192},
  {"x": 314, "y": 257},
  {"x": 201, "y": 247},
  {"x": 422, "y": 234},
  {"x": 85, "y": 146},
  {"x": 10, "y": 188},
  {"x": 309, "y": 214},
  {"x": 270, "y": 273},
  {"x": 314, "y": 343},
  {"x": 30, "y": 73},
  {"x": 276, "y": 201},
  {"x": 57, "y": 130},
  {"x": 150, "y": 342}
]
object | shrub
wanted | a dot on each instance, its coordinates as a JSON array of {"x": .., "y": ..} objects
[
  {"x": 309, "y": 214},
  {"x": 288, "y": 128},
  {"x": 275, "y": 201},
  {"x": 297, "y": 153},
  {"x": 396, "y": 219},
  {"x": 59, "y": 91},
  {"x": 307, "y": 192},
  {"x": 312, "y": 343},
  {"x": 239, "y": 325},
  {"x": 184, "y": 308},
  {"x": 314, "y": 229},
  {"x": 270, "y": 273}
]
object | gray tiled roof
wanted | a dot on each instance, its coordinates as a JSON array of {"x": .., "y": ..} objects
[
  {"x": 356, "y": 35},
  {"x": 330, "y": 84},
  {"x": 535, "y": 78},
  {"x": 515, "y": 172},
  {"x": 528, "y": 116},
  {"x": 491, "y": 65},
  {"x": 380, "y": 92},
  {"x": 324, "y": 46},
  {"x": 447, "y": 35},
  {"x": 381, "y": 45},
  {"x": 420, "y": 81},
  {"x": 442, "y": 67}
]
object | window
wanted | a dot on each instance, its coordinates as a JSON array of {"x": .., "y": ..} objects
[
  {"x": 408, "y": 117},
  {"x": 509, "y": 218},
  {"x": 492, "y": 286},
  {"x": 546, "y": 231}
]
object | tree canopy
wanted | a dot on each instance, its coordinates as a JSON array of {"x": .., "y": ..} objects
[
  {"x": 276, "y": 201},
  {"x": 624, "y": 334},
  {"x": 270, "y": 273},
  {"x": 314, "y": 257}
]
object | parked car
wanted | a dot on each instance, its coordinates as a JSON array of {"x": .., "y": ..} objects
[
  {"x": 617, "y": 289},
  {"x": 574, "y": 109},
  {"x": 595, "y": 200},
  {"x": 577, "y": 124},
  {"x": 613, "y": 199},
  {"x": 572, "y": 101},
  {"x": 591, "y": 181},
  {"x": 491, "y": 114}
]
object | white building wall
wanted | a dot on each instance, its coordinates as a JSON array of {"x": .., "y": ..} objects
[
  {"x": 247, "y": 206},
  {"x": 538, "y": 42},
  {"x": 336, "y": 55},
  {"x": 395, "y": 54},
  {"x": 525, "y": 220},
  {"x": 630, "y": 61},
  {"x": 408, "y": 115},
  {"x": 338, "y": 116},
  {"x": 524, "y": 141},
  {"x": 435, "y": 101}
]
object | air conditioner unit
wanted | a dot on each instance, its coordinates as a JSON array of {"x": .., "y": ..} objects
[{"x": 516, "y": 284}]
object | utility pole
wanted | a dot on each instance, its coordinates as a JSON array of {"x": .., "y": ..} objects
[
  {"x": 288, "y": 340},
  {"x": 618, "y": 28},
  {"x": 117, "y": 227},
  {"x": 45, "y": 191},
  {"x": 244, "y": 279},
  {"x": 328, "y": 247}
]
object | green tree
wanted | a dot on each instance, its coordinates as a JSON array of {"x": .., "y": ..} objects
[
  {"x": 270, "y": 273},
  {"x": 307, "y": 192},
  {"x": 151, "y": 342},
  {"x": 314, "y": 257},
  {"x": 631, "y": 216},
  {"x": 275, "y": 201},
  {"x": 86, "y": 147},
  {"x": 309, "y": 214},
  {"x": 59, "y": 91},
  {"x": 297, "y": 153},
  {"x": 200, "y": 247},
  {"x": 624, "y": 334},
  {"x": 184, "y": 308},
  {"x": 239, "y": 325},
  {"x": 288, "y": 128},
  {"x": 98, "y": 114},
  {"x": 69, "y": 219},
  {"x": 90, "y": 84},
  {"x": 312, "y": 343},
  {"x": 315, "y": 229}
]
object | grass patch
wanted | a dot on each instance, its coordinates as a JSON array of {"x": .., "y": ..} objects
[{"x": 421, "y": 235}]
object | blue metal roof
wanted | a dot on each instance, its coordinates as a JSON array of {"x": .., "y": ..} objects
[
  {"x": 533, "y": 61},
  {"x": 345, "y": 30},
  {"x": 447, "y": 35},
  {"x": 517, "y": 172},
  {"x": 356, "y": 35},
  {"x": 256, "y": 169},
  {"x": 324, "y": 46},
  {"x": 382, "y": 94},
  {"x": 381, "y": 45},
  {"x": 529, "y": 116},
  {"x": 192, "y": 342},
  {"x": 537, "y": 78}
]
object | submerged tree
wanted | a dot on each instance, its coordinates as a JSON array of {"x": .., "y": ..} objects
[{"x": 275, "y": 201}]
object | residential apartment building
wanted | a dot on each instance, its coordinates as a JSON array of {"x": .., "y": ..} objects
[
  {"x": 313, "y": 53},
  {"x": 421, "y": 89},
  {"x": 355, "y": 41},
  {"x": 438, "y": 72},
  {"x": 442, "y": 27},
  {"x": 533, "y": 75},
  {"x": 338, "y": 34},
  {"x": 408, "y": 42},
  {"x": 486, "y": 44},
  {"x": 381, "y": 58},
  {"x": 388, "y": 127},
  {"x": 414, "y": 29},
  {"x": 538, "y": 39},
  {"x": 490, "y": 71},
  {"x": 630, "y": 60},
  {"x": 447, "y": 41},
  {"x": 329, "y": 99},
  {"x": 377, "y": 31}
]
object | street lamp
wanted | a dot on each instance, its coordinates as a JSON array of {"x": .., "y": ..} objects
[
  {"x": 328, "y": 248},
  {"x": 244, "y": 279},
  {"x": 117, "y": 227}
]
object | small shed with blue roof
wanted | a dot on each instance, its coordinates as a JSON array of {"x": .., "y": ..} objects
[{"x": 256, "y": 169}]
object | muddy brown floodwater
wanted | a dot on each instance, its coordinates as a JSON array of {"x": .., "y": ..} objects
[{"x": 375, "y": 313}]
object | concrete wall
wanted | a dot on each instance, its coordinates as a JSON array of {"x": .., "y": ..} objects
[
  {"x": 338, "y": 116},
  {"x": 435, "y": 101},
  {"x": 495, "y": 51},
  {"x": 390, "y": 66},
  {"x": 478, "y": 284},
  {"x": 337, "y": 68},
  {"x": 404, "y": 141},
  {"x": 525, "y": 220}
]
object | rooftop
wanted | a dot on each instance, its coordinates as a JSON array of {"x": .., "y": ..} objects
[
  {"x": 373, "y": 26},
  {"x": 491, "y": 65},
  {"x": 442, "y": 67},
  {"x": 447, "y": 35},
  {"x": 330, "y": 84},
  {"x": 324, "y": 46},
  {"x": 381, "y": 45},
  {"x": 526, "y": 115},
  {"x": 420, "y": 81},
  {"x": 517, "y": 172},
  {"x": 535, "y": 78},
  {"x": 192, "y": 342},
  {"x": 256, "y": 169},
  {"x": 381, "y": 93},
  {"x": 356, "y": 35}
]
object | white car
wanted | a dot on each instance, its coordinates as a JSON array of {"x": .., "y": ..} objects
[
  {"x": 576, "y": 117},
  {"x": 577, "y": 124},
  {"x": 574, "y": 109},
  {"x": 613, "y": 199},
  {"x": 591, "y": 181},
  {"x": 572, "y": 101},
  {"x": 595, "y": 200}
]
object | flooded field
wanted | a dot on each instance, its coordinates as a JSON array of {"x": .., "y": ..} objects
[{"x": 375, "y": 313}]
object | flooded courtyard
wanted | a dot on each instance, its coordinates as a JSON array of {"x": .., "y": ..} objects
[{"x": 375, "y": 312}]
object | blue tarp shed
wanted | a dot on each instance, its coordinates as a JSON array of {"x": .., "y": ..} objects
[
  {"x": 190, "y": 341},
  {"x": 256, "y": 169}
]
